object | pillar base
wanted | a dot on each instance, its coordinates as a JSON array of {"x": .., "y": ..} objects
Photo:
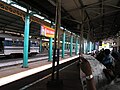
[
  {"x": 25, "y": 67},
  {"x": 55, "y": 83}
]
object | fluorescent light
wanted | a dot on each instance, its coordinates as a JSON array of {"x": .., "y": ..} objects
[
  {"x": 47, "y": 20},
  {"x": 36, "y": 15},
  {"x": 19, "y": 7}
]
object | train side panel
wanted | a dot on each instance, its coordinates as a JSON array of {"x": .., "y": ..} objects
[
  {"x": 34, "y": 46},
  {"x": 8, "y": 50},
  {"x": 15, "y": 45}
]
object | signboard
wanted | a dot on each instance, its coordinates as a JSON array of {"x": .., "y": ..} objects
[
  {"x": 105, "y": 46},
  {"x": 47, "y": 31}
]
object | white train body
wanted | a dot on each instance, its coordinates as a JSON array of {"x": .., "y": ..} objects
[
  {"x": 15, "y": 45},
  {"x": 34, "y": 46}
]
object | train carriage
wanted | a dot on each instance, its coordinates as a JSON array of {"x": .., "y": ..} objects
[{"x": 10, "y": 45}]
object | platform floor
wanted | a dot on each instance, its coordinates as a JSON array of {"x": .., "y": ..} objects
[
  {"x": 10, "y": 74},
  {"x": 70, "y": 77}
]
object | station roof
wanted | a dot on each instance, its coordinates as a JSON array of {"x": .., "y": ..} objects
[
  {"x": 101, "y": 17},
  {"x": 12, "y": 23}
]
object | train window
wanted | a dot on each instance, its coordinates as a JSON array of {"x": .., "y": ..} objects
[
  {"x": 33, "y": 44},
  {"x": 16, "y": 43},
  {"x": 20, "y": 43},
  {"x": 37, "y": 44},
  {"x": 8, "y": 43}
]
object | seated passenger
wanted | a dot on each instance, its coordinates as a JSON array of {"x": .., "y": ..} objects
[
  {"x": 100, "y": 55},
  {"x": 108, "y": 60},
  {"x": 117, "y": 63}
]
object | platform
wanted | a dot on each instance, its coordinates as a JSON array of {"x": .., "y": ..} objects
[
  {"x": 69, "y": 75},
  {"x": 14, "y": 73}
]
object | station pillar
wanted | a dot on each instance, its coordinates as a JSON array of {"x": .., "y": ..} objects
[
  {"x": 40, "y": 45},
  {"x": 93, "y": 46},
  {"x": 26, "y": 41},
  {"x": 63, "y": 45},
  {"x": 76, "y": 49},
  {"x": 50, "y": 49},
  {"x": 71, "y": 45},
  {"x": 88, "y": 47}
]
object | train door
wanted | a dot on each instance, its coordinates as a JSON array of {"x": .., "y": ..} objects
[{"x": 2, "y": 45}]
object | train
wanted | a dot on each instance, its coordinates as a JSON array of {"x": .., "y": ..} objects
[{"x": 11, "y": 45}]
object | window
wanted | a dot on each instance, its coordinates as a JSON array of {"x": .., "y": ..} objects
[
  {"x": 19, "y": 43},
  {"x": 8, "y": 43}
]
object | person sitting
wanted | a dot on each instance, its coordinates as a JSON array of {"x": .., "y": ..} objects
[
  {"x": 117, "y": 63},
  {"x": 108, "y": 60},
  {"x": 100, "y": 55}
]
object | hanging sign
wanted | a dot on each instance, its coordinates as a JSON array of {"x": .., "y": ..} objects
[{"x": 47, "y": 31}]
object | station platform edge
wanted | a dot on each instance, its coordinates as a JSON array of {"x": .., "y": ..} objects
[{"x": 17, "y": 72}]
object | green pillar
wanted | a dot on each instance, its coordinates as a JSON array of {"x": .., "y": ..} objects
[
  {"x": 50, "y": 49},
  {"x": 88, "y": 46},
  {"x": 26, "y": 41},
  {"x": 40, "y": 45},
  {"x": 71, "y": 45},
  {"x": 63, "y": 45},
  {"x": 76, "y": 49},
  {"x": 93, "y": 45}
]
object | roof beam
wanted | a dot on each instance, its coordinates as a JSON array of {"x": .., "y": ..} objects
[
  {"x": 113, "y": 6},
  {"x": 115, "y": 18},
  {"x": 90, "y": 23},
  {"x": 114, "y": 11},
  {"x": 87, "y": 6}
]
